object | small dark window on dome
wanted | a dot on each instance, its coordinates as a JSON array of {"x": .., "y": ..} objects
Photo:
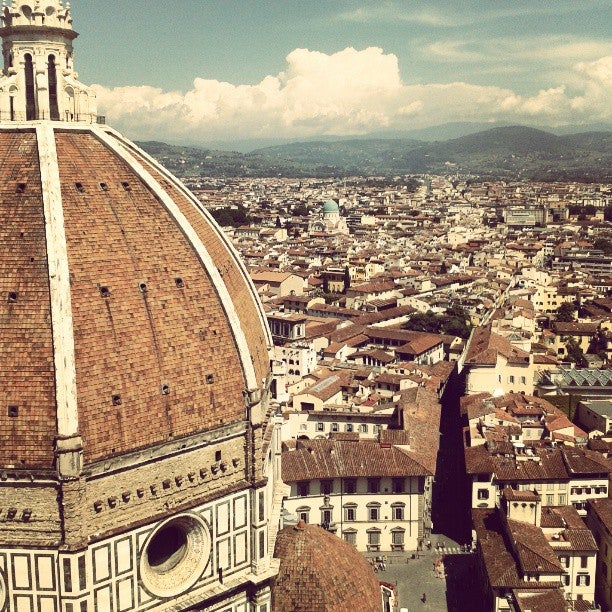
[
  {"x": 21, "y": 187},
  {"x": 13, "y": 412},
  {"x": 126, "y": 186},
  {"x": 12, "y": 297},
  {"x": 105, "y": 292},
  {"x": 79, "y": 187},
  {"x": 143, "y": 287},
  {"x": 210, "y": 379},
  {"x": 165, "y": 389},
  {"x": 180, "y": 283},
  {"x": 116, "y": 400},
  {"x": 104, "y": 186},
  {"x": 218, "y": 455}
]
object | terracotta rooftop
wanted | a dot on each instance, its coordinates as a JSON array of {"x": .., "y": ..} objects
[
  {"x": 602, "y": 509},
  {"x": 316, "y": 459},
  {"x": 319, "y": 572},
  {"x": 502, "y": 567},
  {"x": 485, "y": 346}
]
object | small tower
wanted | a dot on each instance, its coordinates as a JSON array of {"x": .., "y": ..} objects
[{"x": 38, "y": 80}]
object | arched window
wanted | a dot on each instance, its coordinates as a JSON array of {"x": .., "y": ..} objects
[
  {"x": 12, "y": 94},
  {"x": 29, "y": 80},
  {"x": 69, "y": 110},
  {"x": 52, "y": 74}
]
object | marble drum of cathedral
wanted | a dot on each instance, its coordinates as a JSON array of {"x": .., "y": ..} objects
[{"x": 136, "y": 444}]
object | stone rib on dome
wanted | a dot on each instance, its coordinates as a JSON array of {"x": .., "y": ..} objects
[
  {"x": 167, "y": 335},
  {"x": 319, "y": 572}
]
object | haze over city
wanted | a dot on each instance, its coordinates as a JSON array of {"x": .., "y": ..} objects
[{"x": 201, "y": 71}]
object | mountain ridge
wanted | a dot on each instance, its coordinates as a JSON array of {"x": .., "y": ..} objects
[{"x": 504, "y": 152}]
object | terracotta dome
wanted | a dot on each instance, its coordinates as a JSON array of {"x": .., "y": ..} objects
[
  {"x": 134, "y": 367},
  {"x": 319, "y": 572},
  {"x": 126, "y": 316}
]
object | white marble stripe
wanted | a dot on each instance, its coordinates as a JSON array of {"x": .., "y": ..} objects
[{"x": 59, "y": 284}]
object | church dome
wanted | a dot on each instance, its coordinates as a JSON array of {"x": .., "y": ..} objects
[
  {"x": 126, "y": 316},
  {"x": 134, "y": 361},
  {"x": 331, "y": 206},
  {"x": 319, "y": 572}
]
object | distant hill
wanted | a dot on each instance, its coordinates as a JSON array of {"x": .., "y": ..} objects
[{"x": 500, "y": 152}]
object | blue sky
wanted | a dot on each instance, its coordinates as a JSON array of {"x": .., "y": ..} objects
[{"x": 198, "y": 69}]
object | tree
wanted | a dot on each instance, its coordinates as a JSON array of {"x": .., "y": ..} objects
[
  {"x": 574, "y": 353},
  {"x": 565, "y": 312},
  {"x": 325, "y": 284},
  {"x": 603, "y": 244},
  {"x": 300, "y": 210}
]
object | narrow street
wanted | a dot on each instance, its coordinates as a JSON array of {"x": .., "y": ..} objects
[{"x": 452, "y": 503}]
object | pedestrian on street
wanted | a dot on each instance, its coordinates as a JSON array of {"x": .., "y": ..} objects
[{"x": 424, "y": 598}]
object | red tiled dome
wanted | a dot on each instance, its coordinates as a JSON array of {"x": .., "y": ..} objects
[
  {"x": 124, "y": 313},
  {"x": 319, "y": 572}
]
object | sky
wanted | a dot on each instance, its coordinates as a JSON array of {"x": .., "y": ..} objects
[{"x": 199, "y": 71}]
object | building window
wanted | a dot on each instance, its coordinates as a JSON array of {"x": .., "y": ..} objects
[
  {"x": 583, "y": 580},
  {"x": 550, "y": 499},
  {"x": 363, "y": 428},
  {"x": 584, "y": 562},
  {"x": 565, "y": 579},
  {"x": 562, "y": 500},
  {"x": 327, "y": 487},
  {"x": 483, "y": 494},
  {"x": 399, "y": 485},
  {"x": 326, "y": 518},
  {"x": 374, "y": 540},
  {"x": 373, "y": 512},
  {"x": 523, "y": 380},
  {"x": 303, "y": 489},
  {"x": 397, "y": 512},
  {"x": 511, "y": 379},
  {"x": 334, "y": 427},
  {"x": 303, "y": 513},
  {"x": 348, "y": 427},
  {"x": 564, "y": 561},
  {"x": 350, "y": 513},
  {"x": 320, "y": 426},
  {"x": 350, "y": 485},
  {"x": 373, "y": 485},
  {"x": 397, "y": 539},
  {"x": 350, "y": 536}
]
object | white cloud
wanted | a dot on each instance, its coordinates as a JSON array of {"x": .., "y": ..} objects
[
  {"x": 463, "y": 14},
  {"x": 542, "y": 50},
  {"x": 346, "y": 93}
]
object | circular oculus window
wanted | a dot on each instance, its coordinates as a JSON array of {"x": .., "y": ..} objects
[{"x": 175, "y": 555}]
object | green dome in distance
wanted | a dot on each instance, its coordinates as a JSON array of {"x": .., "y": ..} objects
[{"x": 331, "y": 207}]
